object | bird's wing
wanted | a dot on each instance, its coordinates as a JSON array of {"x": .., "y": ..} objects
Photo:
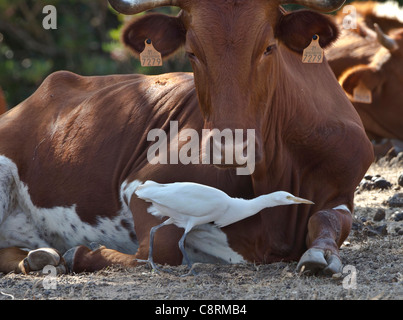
[{"x": 187, "y": 198}]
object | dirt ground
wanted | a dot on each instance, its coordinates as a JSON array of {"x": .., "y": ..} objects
[{"x": 372, "y": 258}]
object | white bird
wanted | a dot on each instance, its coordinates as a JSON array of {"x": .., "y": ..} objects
[{"x": 189, "y": 204}]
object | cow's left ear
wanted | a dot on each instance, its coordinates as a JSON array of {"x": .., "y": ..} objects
[
  {"x": 167, "y": 33},
  {"x": 369, "y": 77},
  {"x": 296, "y": 29}
]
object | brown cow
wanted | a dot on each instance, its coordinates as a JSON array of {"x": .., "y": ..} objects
[
  {"x": 69, "y": 174},
  {"x": 367, "y": 57}
]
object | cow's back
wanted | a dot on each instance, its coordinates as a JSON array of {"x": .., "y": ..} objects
[{"x": 79, "y": 135}]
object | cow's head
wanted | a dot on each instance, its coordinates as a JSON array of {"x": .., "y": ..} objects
[
  {"x": 383, "y": 77},
  {"x": 233, "y": 49}
]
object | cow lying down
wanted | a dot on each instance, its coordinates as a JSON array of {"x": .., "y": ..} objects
[{"x": 72, "y": 154}]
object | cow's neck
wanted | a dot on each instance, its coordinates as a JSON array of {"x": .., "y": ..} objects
[{"x": 283, "y": 111}]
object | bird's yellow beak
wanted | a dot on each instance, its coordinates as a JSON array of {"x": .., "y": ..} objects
[{"x": 299, "y": 200}]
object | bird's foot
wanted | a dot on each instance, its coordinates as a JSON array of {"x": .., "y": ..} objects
[
  {"x": 153, "y": 266},
  {"x": 191, "y": 271}
]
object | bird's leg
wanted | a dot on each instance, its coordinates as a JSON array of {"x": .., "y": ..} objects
[
  {"x": 150, "y": 250},
  {"x": 182, "y": 247},
  {"x": 150, "y": 259}
]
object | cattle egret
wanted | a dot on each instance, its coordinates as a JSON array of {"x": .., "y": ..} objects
[{"x": 189, "y": 204}]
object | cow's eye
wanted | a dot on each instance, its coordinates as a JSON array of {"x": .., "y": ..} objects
[
  {"x": 269, "y": 49},
  {"x": 190, "y": 55}
]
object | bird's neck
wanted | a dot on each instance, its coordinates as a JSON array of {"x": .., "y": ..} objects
[{"x": 253, "y": 206}]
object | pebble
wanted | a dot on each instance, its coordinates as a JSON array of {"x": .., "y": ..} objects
[
  {"x": 400, "y": 180},
  {"x": 383, "y": 229},
  {"x": 397, "y": 216},
  {"x": 382, "y": 183},
  {"x": 379, "y": 215},
  {"x": 374, "y": 182},
  {"x": 396, "y": 200}
]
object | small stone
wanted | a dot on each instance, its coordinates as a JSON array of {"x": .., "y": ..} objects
[
  {"x": 383, "y": 229},
  {"x": 396, "y": 200},
  {"x": 400, "y": 180},
  {"x": 397, "y": 216},
  {"x": 369, "y": 232},
  {"x": 381, "y": 183},
  {"x": 367, "y": 185},
  {"x": 379, "y": 215}
]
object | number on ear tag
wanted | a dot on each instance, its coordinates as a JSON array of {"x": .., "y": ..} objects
[
  {"x": 150, "y": 57},
  {"x": 313, "y": 53},
  {"x": 362, "y": 94}
]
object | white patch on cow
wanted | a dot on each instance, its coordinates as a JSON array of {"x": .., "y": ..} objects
[
  {"x": 209, "y": 244},
  {"x": 23, "y": 224},
  {"x": 389, "y": 9},
  {"x": 127, "y": 190},
  {"x": 342, "y": 207}
]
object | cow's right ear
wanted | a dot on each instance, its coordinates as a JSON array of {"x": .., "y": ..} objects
[
  {"x": 362, "y": 74},
  {"x": 167, "y": 33},
  {"x": 296, "y": 29}
]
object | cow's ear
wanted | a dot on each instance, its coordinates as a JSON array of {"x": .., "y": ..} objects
[
  {"x": 167, "y": 33},
  {"x": 362, "y": 74},
  {"x": 296, "y": 29}
]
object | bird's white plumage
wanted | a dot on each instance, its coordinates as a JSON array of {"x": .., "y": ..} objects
[
  {"x": 182, "y": 201},
  {"x": 190, "y": 204}
]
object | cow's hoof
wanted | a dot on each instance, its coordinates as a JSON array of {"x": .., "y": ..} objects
[
  {"x": 69, "y": 258},
  {"x": 37, "y": 259},
  {"x": 80, "y": 251},
  {"x": 317, "y": 261}
]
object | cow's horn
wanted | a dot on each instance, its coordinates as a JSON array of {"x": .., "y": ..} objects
[
  {"x": 385, "y": 40},
  {"x": 319, "y": 5},
  {"x": 136, "y": 6}
]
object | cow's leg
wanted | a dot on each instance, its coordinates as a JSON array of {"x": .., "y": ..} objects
[
  {"x": 82, "y": 258},
  {"x": 327, "y": 229},
  {"x": 165, "y": 247},
  {"x": 16, "y": 260},
  {"x": 12, "y": 260}
]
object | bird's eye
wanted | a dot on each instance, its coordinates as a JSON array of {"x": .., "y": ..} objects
[{"x": 269, "y": 49}]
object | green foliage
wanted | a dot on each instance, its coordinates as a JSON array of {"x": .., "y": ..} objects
[{"x": 86, "y": 41}]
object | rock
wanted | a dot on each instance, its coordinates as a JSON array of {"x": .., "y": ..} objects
[
  {"x": 366, "y": 185},
  {"x": 400, "y": 180},
  {"x": 397, "y": 216},
  {"x": 382, "y": 183},
  {"x": 369, "y": 232},
  {"x": 382, "y": 230},
  {"x": 379, "y": 215},
  {"x": 356, "y": 225},
  {"x": 396, "y": 200},
  {"x": 374, "y": 182}
]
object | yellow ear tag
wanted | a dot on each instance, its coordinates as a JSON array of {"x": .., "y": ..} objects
[
  {"x": 150, "y": 57},
  {"x": 362, "y": 94},
  {"x": 313, "y": 53}
]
